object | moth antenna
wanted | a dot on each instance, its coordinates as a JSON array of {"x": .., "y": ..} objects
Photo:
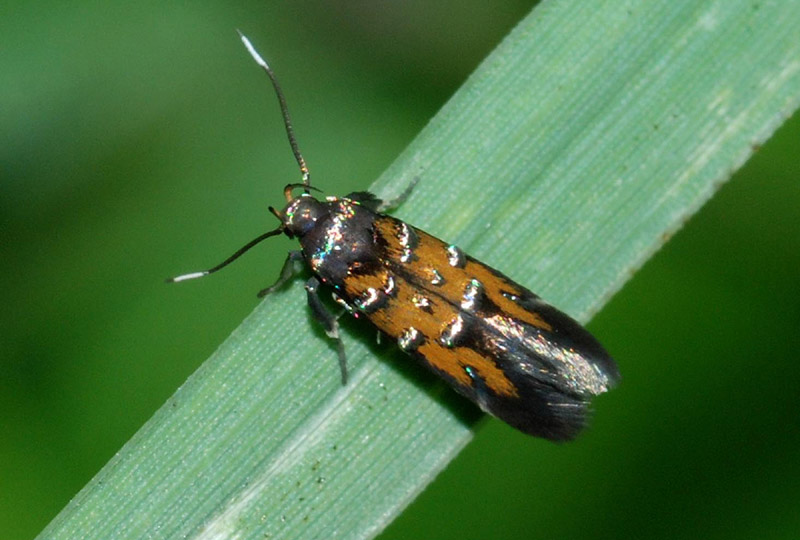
[
  {"x": 241, "y": 251},
  {"x": 287, "y": 121}
]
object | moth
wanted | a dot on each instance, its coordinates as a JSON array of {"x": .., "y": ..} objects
[{"x": 491, "y": 339}]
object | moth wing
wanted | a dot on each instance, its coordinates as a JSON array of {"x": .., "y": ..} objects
[{"x": 491, "y": 339}]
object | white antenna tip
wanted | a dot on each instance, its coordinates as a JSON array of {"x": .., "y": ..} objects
[
  {"x": 253, "y": 52},
  {"x": 184, "y": 277}
]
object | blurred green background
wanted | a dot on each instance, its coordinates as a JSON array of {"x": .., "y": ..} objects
[{"x": 140, "y": 141}]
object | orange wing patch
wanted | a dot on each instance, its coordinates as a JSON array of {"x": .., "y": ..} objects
[
  {"x": 428, "y": 312},
  {"x": 455, "y": 361},
  {"x": 400, "y": 312},
  {"x": 433, "y": 265}
]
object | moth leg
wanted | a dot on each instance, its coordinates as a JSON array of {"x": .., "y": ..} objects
[
  {"x": 287, "y": 273},
  {"x": 387, "y": 206},
  {"x": 329, "y": 322}
]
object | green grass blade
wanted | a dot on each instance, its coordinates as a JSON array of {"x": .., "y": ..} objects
[{"x": 582, "y": 142}]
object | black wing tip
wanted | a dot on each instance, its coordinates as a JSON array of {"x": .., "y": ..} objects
[
  {"x": 559, "y": 428},
  {"x": 543, "y": 413}
]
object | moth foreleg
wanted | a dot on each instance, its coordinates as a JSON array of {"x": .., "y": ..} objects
[
  {"x": 287, "y": 273},
  {"x": 328, "y": 321}
]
